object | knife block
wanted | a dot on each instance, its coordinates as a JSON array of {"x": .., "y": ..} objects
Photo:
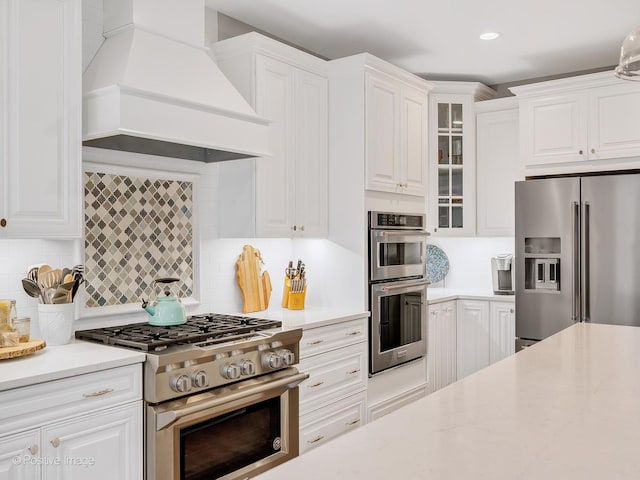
[{"x": 292, "y": 300}]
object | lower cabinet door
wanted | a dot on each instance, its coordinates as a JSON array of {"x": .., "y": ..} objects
[
  {"x": 320, "y": 426},
  {"x": 19, "y": 456},
  {"x": 100, "y": 446}
]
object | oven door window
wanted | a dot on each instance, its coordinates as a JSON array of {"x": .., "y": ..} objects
[
  {"x": 224, "y": 444},
  {"x": 400, "y": 320},
  {"x": 400, "y": 253}
]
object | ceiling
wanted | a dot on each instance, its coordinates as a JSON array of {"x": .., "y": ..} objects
[{"x": 439, "y": 40}]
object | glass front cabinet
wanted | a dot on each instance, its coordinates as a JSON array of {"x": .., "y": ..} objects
[{"x": 451, "y": 201}]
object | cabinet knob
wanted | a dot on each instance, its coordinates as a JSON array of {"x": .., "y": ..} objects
[
  {"x": 55, "y": 442},
  {"x": 33, "y": 449},
  {"x": 593, "y": 150},
  {"x": 511, "y": 310},
  {"x": 3, "y": 222},
  {"x": 302, "y": 228},
  {"x": 580, "y": 152},
  {"x": 294, "y": 228}
]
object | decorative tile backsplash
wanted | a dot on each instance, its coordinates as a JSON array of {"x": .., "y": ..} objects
[{"x": 136, "y": 230}]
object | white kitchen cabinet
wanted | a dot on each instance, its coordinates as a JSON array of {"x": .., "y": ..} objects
[
  {"x": 502, "y": 330},
  {"x": 286, "y": 193},
  {"x": 84, "y": 427},
  {"x": 485, "y": 334},
  {"x": 332, "y": 399},
  {"x": 40, "y": 121},
  {"x": 16, "y": 452},
  {"x": 497, "y": 166},
  {"x": 579, "y": 124},
  {"x": 451, "y": 207},
  {"x": 472, "y": 337},
  {"x": 396, "y": 140},
  {"x": 442, "y": 345}
]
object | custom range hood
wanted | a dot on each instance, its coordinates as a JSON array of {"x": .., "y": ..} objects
[{"x": 153, "y": 88}]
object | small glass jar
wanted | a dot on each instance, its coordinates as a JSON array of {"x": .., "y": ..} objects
[{"x": 22, "y": 326}]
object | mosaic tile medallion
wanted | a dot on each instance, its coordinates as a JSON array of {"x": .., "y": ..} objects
[{"x": 136, "y": 230}]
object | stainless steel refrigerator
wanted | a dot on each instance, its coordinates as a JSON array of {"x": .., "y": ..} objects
[{"x": 577, "y": 252}]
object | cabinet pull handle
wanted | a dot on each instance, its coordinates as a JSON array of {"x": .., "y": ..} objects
[
  {"x": 351, "y": 334},
  {"x": 33, "y": 449},
  {"x": 55, "y": 442},
  {"x": 98, "y": 393},
  {"x": 3, "y": 222},
  {"x": 353, "y": 422},
  {"x": 315, "y": 384},
  {"x": 353, "y": 372},
  {"x": 315, "y": 342},
  {"x": 315, "y": 440}
]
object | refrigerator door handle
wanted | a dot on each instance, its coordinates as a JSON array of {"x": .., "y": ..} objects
[
  {"x": 575, "y": 304},
  {"x": 584, "y": 274}
]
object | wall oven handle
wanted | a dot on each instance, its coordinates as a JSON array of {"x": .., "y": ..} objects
[
  {"x": 164, "y": 419},
  {"x": 391, "y": 233},
  {"x": 388, "y": 288}
]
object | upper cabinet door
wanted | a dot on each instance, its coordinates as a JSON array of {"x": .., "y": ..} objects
[
  {"x": 312, "y": 150},
  {"x": 413, "y": 140},
  {"x": 381, "y": 131},
  {"x": 275, "y": 175},
  {"x": 554, "y": 129},
  {"x": 614, "y": 123},
  {"x": 41, "y": 132}
]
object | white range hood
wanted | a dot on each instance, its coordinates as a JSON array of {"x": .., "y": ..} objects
[{"x": 153, "y": 88}]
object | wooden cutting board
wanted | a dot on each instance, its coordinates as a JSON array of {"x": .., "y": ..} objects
[
  {"x": 26, "y": 348},
  {"x": 253, "y": 280}
]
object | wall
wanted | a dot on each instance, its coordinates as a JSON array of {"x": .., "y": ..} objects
[{"x": 470, "y": 259}]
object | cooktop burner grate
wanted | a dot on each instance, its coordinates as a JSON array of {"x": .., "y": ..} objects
[{"x": 198, "y": 328}]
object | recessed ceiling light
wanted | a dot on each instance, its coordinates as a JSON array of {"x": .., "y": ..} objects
[{"x": 489, "y": 36}]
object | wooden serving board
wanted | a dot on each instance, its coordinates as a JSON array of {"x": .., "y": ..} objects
[
  {"x": 26, "y": 348},
  {"x": 254, "y": 282}
]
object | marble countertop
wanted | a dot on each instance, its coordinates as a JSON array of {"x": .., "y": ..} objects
[
  {"x": 310, "y": 317},
  {"x": 436, "y": 295},
  {"x": 565, "y": 408},
  {"x": 55, "y": 362}
]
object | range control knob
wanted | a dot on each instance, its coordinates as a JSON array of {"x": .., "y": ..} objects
[
  {"x": 231, "y": 371},
  {"x": 272, "y": 360},
  {"x": 181, "y": 383},
  {"x": 248, "y": 367},
  {"x": 199, "y": 379},
  {"x": 287, "y": 356}
]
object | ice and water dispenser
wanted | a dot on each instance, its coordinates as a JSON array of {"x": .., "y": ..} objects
[{"x": 542, "y": 263}]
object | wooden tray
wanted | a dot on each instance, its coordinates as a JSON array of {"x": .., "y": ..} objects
[{"x": 26, "y": 348}]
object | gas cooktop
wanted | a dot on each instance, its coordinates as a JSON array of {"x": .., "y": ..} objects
[{"x": 198, "y": 328}]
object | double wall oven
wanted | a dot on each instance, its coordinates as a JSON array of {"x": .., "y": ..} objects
[
  {"x": 397, "y": 289},
  {"x": 221, "y": 395}
]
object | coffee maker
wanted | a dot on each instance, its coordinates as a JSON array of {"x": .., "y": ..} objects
[{"x": 503, "y": 274}]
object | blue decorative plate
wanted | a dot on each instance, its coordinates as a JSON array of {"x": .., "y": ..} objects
[{"x": 437, "y": 264}]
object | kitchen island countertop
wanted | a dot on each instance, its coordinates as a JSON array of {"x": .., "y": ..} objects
[
  {"x": 564, "y": 408},
  {"x": 55, "y": 362}
]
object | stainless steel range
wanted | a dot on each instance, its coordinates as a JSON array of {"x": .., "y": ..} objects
[{"x": 221, "y": 394}]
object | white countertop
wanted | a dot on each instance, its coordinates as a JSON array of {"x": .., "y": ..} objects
[
  {"x": 309, "y": 317},
  {"x": 54, "y": 362},
  {"x": 566, "y": 408},
  {"x": 437, "y": 295}
]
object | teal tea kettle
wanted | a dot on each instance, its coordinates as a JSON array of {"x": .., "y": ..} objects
[{"x": 166, "y": 310}]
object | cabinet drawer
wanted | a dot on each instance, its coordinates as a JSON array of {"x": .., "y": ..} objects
[
  {"x": 333, "y": 375},
  {"x": 73, "y": 395},
  {"x": 322, "y": 425},
  {"x": 323, "y": 339}
]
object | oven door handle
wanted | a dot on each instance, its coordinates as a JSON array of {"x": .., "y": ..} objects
[
  {"x": 388, "y": 288},
  {"x": 390, "y": 233},
  {"x": 164, "y": 419}
]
